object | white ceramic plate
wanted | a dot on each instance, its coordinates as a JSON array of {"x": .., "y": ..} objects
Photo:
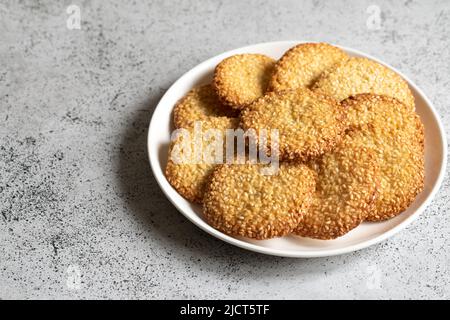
[{"x": 363, "y": 236}]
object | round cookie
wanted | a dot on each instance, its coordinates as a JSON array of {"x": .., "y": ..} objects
[
  {"x": 240, "y": 201},
  {"x": 202, "y": 104},
  {"x": 187, "y": 172},
  {"x": 189, "y": 179},
  {"x": 345, "y": 190},
  {"x": 308, "y": 124},
  {"x": 361, "y": 75},
  {"x": 397, "y": 135},
  {"x": 241, "y": 79},
  {"x": 301, "y": 65}
]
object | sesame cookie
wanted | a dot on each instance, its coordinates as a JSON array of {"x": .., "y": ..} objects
[
  {"x": 201, "y": 104},
  {"x": 397, "y": 135},
  {"x": 240, "y": 201},
  {"x": 345, "y": 190},
  {"x": 185, "y": 171},
  {"x": 301, "y": 65},
  {"x": 309, "y": 124},
  {"x": 361, "y": 75},
  {"x": 241, "y": 79}
]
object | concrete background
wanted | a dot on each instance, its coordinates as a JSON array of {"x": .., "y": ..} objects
[{"x": 82, "y": 216}]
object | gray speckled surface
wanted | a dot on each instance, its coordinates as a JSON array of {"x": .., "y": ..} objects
[{"x": 77, "y": 197}]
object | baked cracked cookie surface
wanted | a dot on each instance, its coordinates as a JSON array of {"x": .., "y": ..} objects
[
  {"x": 345, "y": 190},
  {"x": 241, "y": 201},
  {"x": 241, "y": 79},
  {"x": 308, "y": 124},
  {"x": 361, "y": 75},
  {"x": 397, "y": 135},
  {"x": 301, "y": 65}
]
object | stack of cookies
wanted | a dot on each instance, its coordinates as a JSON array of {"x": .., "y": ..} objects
[{"x": 351, "y": 147}]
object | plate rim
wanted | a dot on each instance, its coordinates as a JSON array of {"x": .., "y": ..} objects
[{"x": 153, "y": 158}]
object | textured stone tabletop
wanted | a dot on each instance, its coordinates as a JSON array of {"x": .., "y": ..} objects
[{"x": 81, "y": 214}]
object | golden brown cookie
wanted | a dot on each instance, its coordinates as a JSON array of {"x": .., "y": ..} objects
[
  {"x": 361, "y": 75},
  {"x": 301, "y": 65},
  {"x": 308, "y": 124},
  {"x": 201, "y": 104},
  {"x": 187, "y": 169},
  {"x": 240, "y": 201},
  {"x": 397, "y": 135},
  {"x": 241, "y": 79},
  {"x": 345, "y": 190}
]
